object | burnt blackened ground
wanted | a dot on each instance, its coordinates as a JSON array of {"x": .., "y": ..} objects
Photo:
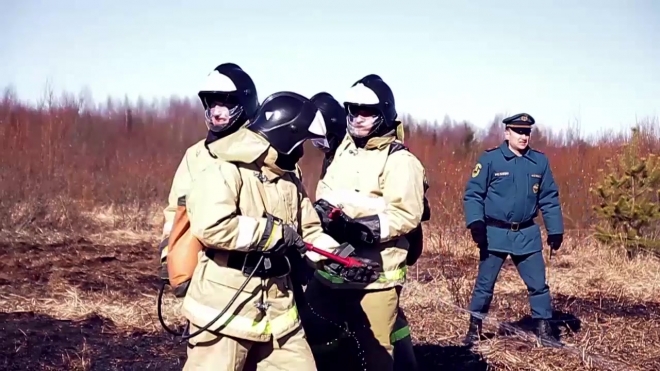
[
  {"x": 36, "y": 341},
  {"x": 33, "y": 341},
  {"x": 449, "y": 357},
  {"x": 39, "y": 342},
  {"x": 128, "y": 270}
]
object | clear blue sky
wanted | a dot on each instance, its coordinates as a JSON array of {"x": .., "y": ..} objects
[{"x": 597, "y": 62}]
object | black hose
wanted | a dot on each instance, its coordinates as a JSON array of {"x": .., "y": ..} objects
[{"x": 206, "y": 327}]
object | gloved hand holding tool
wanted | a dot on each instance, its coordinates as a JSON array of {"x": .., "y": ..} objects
[
  {"x": 342, "y": 227},
  {"x": 275, "y": 259},
  {"x": 290, "y": 238},
  {"x": 331, "y": 220},
  {"x": 353, "y": 269},
  {"x": 350, "y": 268}
]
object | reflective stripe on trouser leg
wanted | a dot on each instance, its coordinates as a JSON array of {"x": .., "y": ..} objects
[
  {"x": 205, "y": 314},
  {"x": 393, "y": 276},
  {"x": 399, "y": 334}
]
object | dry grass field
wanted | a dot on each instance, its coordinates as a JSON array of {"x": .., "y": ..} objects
[{"x": 81, "y": 193}]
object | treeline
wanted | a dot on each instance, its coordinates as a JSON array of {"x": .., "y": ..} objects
[{"x": 68, "y": 154}]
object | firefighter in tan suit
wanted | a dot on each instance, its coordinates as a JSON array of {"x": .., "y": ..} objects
[
  {"x": 334, "y": 115},
  {"x": 229, "y": 98},
  {"x": 247, "y": 207},
  {"x": 379, "y": 187}
]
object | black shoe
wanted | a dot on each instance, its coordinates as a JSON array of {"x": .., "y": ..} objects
[
  {"x": 474, "y": 331},
  {"x": 545, "y": 334}
]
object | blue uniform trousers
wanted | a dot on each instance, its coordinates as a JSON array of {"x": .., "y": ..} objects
[{"x": 531, "y": 268}]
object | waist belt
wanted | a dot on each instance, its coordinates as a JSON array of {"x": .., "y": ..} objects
[
  {"x": 272, "y": 265},
  {"x": 512, "y": 226}
]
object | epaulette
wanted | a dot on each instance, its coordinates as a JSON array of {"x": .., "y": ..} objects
[
  {"x": 492, "y": 149},
  {"x": 537, "y": 151}
]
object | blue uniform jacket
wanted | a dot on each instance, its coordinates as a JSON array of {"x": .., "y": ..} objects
[{"x": 510, "y": 189}]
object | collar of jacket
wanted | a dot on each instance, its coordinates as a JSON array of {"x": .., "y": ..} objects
[
  {"x": 267, "y": 164},
  {"x": 375, "y": 143},
  {"x": 245, "y": 146},
  {"x": 528, "y": 153}
]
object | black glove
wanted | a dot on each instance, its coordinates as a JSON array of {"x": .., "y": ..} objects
[
  {"x": 342, "y": 227},
  {"x": 290, "y": 238},
  {"x": 555, "y": 240},
  {"x": 354, "y": 231},
  {"x": 478, "y": 232},
  {"x": 366, "y": 273},
  {"x": 332, "y": 227},
  {"x": 359, "y": 233},
  {"x": 323, "y": 209}
]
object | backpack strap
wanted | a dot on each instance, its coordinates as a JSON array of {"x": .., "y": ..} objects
[{"x": 397, "y": 146}]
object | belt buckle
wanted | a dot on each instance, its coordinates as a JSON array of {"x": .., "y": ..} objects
[{"x": 515, "y": 226}]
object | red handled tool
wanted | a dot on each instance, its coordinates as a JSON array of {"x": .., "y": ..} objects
[
  {"x": 334, "y": 213},
  {"x": 347, "y": 262}
]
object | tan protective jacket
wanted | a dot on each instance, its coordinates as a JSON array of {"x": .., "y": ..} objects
[
  {"x": 196, "y": 157},
  {"x": 367, "y": 182},
  {"x": 226, "y": 204}
]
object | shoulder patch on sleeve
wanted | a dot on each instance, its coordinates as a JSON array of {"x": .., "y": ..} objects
[{"x": 476, "y": 170}]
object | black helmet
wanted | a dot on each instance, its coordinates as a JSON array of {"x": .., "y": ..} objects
[
  {"x": 286, "y": 119},
  {"x": 230, "y": 84},
  {"x": 373, "y": 93},
  {"x": 334, "y": 116}
]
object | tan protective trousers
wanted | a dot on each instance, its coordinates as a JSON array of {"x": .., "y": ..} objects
[
  {"x": 224, "y": 353},
  {"x": 371, "y": 314}
]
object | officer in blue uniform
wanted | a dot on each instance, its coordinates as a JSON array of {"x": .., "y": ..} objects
[{"x": 509, "y": 184}]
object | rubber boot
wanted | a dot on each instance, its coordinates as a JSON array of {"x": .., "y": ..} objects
[
  {"x": 544, "y": 333},
  {"x": 474, "y": 330}
]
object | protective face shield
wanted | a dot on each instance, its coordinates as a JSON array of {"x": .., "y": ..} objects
[
  {"x": 334, "y": 115},
  {"x": 222, "y": 110},
  {"x": 363, "y": 116},
  {"x": 362, "y": 121},
  {"x": 219, "y": 96},
  {"x": 370, "y": 108}
]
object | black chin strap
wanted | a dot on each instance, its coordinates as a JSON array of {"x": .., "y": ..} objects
[{"x": 288, "y": 162}]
